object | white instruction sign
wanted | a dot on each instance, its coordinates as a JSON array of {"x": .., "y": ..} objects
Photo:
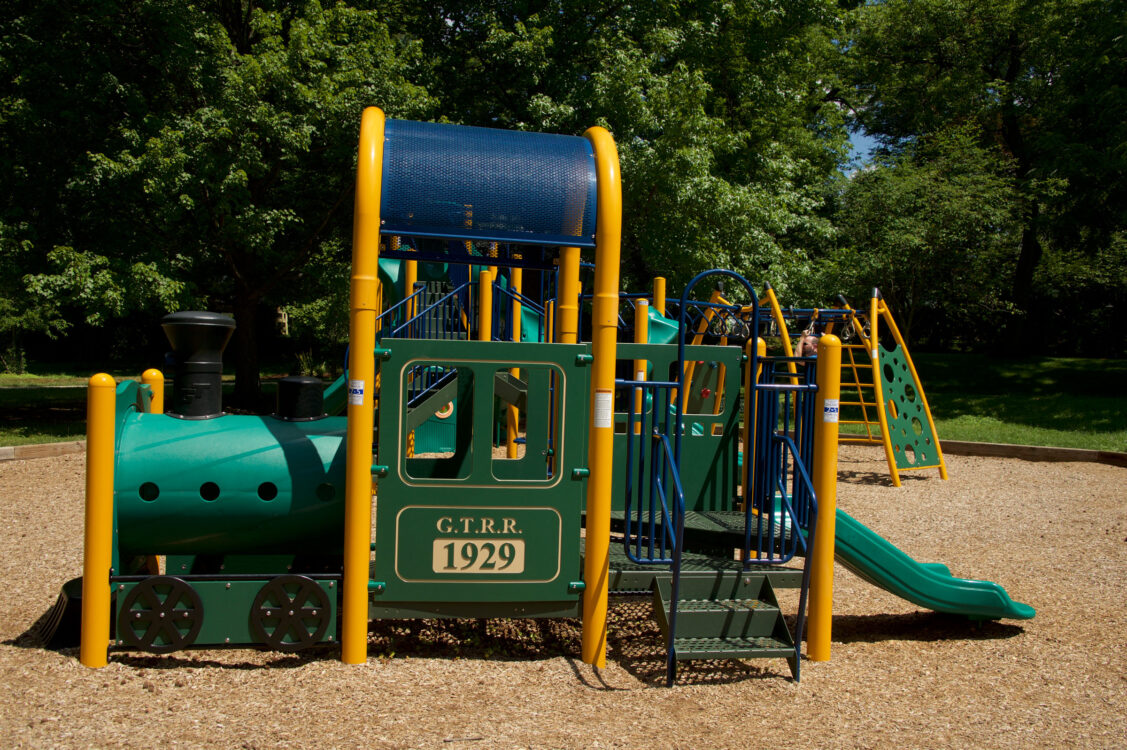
[
  {"x": 356, "y": 392},
  {"x": 604, "y": 408},
  {"x": 831, "y": 409}
]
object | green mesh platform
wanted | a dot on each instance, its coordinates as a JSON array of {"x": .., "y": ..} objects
[{"x": 909, "y": 429}]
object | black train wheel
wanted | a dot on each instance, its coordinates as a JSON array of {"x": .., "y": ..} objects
[
  {"x": 160, "y": 614},
  {"x": 290, "y": 613}
]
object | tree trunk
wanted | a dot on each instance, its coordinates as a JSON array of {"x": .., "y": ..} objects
[
  {"x": 244, "y": 352},
  {"x": 1027, "y": 262}
]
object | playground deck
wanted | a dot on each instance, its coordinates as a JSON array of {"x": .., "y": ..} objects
[{"x": 899, "y": 675}]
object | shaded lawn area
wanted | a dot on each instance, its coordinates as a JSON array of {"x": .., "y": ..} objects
[{"x": 1070, "y": 403}]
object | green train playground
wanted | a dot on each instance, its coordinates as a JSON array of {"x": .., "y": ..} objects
[{"x": 513, "y": 437}]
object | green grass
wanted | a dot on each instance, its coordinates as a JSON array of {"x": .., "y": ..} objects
[{"x": 1068, "y": 403}]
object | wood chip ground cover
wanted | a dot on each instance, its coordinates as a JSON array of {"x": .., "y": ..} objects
[{"x": 1055, "y": 535}]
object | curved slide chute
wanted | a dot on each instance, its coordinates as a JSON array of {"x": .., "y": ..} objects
[{"x": 930, "y": 585}]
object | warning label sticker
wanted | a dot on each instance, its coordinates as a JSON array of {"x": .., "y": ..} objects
[
  {"x": 831, "y": 409},
  {"x": 604, "y": 408},
  {"x": 356, "y": 392}
]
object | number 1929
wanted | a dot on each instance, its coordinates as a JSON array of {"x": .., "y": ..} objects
[{"x": 478, "y": 556}]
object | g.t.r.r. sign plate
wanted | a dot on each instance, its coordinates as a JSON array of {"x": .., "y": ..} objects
[{"x": 477, "y": 544}]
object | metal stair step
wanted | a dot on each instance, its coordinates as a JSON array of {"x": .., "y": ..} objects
[
  {"x": 726, "y": 618},
  {"x": 759, "y": 647}
]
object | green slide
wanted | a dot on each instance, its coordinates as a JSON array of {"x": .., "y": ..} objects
[
  {"x": 662, "y": 330},
  {"x": 929, "y": 585}
]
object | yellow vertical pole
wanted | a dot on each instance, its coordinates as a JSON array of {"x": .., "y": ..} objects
[
  {"x": 484, "y": 305},
  {"x": 826, "y": 414},
  {"x": 155, "y": 380},
  {"x": 659, "y": 294},
  {"x": 748, "y": 433},
  {"x": 567, "y": 306},
  {"x": 361, "y": 386},
  {"x": 516, "y": 282},
  {"x": 410, "y": 276},
  {"x": 98, "y": 541},
  {"x": 641, "y": 336},
  {"x": 882, "y": 413},
  {"x": 604, "y": 344}
]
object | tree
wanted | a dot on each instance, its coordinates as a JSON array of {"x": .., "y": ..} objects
[
  {"x": 220, "y": 160},
  {"x": 724, "y": 130},
  {"x": 1042, "y": 81},
  {"x": 934, "y": 227}
]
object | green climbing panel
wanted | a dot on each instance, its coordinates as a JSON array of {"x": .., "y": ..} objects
[{"x": 909, "y": 429}]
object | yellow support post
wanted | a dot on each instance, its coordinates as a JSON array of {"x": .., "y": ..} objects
[
  {"x": 748, "y": 431},
  {"x": 516, "y": 282},
  {"x": 604, "y": 344},
  {"x": 98, "y": 541},
  {"x": 484, "y": 305},
  {"x": 155, "y": 380},
  {"x": 410, "y": 276},
  {"x": 361, "y": 386},
  {"x": 882, "y": 413},
  {"x": 659, "y": 294},
  {"x": 567, "y": 306},
  {"x": 819, "y": 629},
  {"x": 641, "y": 336}
]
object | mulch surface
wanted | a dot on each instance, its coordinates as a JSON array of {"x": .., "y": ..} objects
[{"x": 1055, "y": 535}]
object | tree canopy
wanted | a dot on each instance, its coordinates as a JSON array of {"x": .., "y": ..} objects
[{"x": 160, "y": 155}]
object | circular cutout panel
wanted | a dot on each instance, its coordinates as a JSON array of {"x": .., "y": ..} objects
[{"x": 290, "y": 613}]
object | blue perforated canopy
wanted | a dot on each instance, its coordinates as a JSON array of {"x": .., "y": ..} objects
[{"x": 458, "y": 182}]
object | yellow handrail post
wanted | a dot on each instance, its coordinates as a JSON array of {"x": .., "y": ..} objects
[
  {"x": 659, "y": 294},
  {"x": 604, "y": 344},
  {"x": 825, "y": 490},
  {"x": 361, "y": 386},
  {"x": 516, "y": 283},
  {"x": 484, "y": 305},
  {"x": 98, "y": 542},
  {"x": 155, "y": 380},
  {"x": 567, "y": 306},
  {"x": 641, "y": 336}
]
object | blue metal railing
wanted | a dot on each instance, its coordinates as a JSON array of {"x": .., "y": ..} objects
[
  {"x": 440, "y": 319},
  {"x": 649, "y": 521},
  {"x": 778, "y": 471},
  {"x": 503, "y": 324}
]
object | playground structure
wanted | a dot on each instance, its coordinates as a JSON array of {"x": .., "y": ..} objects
[
  {"x": 882, "y": 395},
  {"x": 520, "y": 468}
]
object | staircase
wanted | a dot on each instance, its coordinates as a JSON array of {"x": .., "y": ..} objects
[{"x": 733, "y": 616}]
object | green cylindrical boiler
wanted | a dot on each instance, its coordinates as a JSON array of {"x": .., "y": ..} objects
[{"x": 230, "y": 485}]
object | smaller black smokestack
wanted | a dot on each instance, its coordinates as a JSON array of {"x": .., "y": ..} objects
[
  {"x": 198, "y": 340},
  {"x": 300, "y": 398}
]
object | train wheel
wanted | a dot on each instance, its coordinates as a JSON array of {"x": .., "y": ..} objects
[
  {"x": 290, "y": 613},
  {"x": 160, "y": 614}
]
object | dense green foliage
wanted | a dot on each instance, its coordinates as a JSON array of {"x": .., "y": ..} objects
[{"x": 158, "y": 155}]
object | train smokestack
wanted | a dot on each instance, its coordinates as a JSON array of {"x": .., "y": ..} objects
[{"x": 198, "y": 340}]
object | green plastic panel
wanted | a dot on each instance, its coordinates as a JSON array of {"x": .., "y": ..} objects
[
  {"x": 230, "y": 485},
  {"x": 469, "y": 525},
  {"x": 226, "y": 610},
  {"x": 909, "y": 428},
  {"x": 710, "y": 444}
]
